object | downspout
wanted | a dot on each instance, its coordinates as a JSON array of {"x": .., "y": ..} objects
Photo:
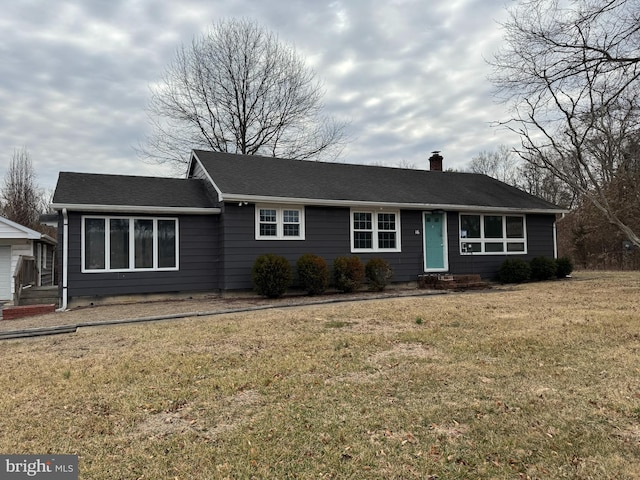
[
  {"x": 555, "y": 240},
  {"x": 65, "y": 259}
]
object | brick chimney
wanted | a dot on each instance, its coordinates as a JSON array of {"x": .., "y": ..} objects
[{"x": 435, "y": 162}]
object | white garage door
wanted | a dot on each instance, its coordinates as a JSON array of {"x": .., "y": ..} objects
[{"x": 5, "y": 272}]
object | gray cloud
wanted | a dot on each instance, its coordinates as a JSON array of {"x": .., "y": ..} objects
[{"x": 408, "y": 75}]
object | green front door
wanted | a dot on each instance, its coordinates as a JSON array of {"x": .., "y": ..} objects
[{"x": 435, "y": 258}]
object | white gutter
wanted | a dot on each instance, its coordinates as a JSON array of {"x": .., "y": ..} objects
[
  {"x": 136, "y": 209},
  {"x": 65, "y": 260},
  {"x": 357, "y": 203}
]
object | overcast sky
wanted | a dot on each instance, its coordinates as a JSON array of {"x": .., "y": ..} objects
[{"x": 410, "y": 76}]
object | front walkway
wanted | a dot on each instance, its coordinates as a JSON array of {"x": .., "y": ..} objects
[{"x": 70, "y": 321}]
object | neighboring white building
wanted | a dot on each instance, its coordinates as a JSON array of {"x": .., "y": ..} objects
[{"x": 19, "y": 241}]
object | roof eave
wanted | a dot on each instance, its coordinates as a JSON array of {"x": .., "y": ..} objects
[
  {"x": 194, "y": 156},
  {"x": 410, "y": 206},
  {"x": 136, "y": 209},
  {"x": 48, "y": 239},
  {"x": 29, "y": 234}
]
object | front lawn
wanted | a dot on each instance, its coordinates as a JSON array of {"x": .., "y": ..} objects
[{"x": 537, "y": 381}]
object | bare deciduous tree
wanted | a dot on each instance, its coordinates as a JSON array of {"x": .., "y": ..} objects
[
  {"x": 238, "y": 89},
  {"x": 503, "y": 164},
  {"x": 500, "y": 164},
  {"x": 21, "y": 200},
  {"x": 540, "y": 182},
  {"x": 571, "y": 73},
  {"x": 407, "y": 164}
]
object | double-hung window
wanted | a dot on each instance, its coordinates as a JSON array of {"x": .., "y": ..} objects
[
  {"x": 279, "y": 223},
  {"x": 375, "y": 231},
  {"x": 129, "y": 244},
  {"x": 492, "y": 234}
]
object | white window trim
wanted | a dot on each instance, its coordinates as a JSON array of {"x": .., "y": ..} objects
[
  {"x": 107, "y": 245},
  {"x": 279, "y": 222},
  {"x": 482, "y": 240},
  {"x": 374, "y": 221}
]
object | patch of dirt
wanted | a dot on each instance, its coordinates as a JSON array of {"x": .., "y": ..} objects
[
  {"x": 405, "y": 350},
  {"x": 167, "y": 423},
  {"x": 452, "y": 431},
  {"x": 386, "y": 360},
  {"x": 232, "y": 411},
  {"x": 542, "y": 392},
  {"x": 374, "y": 325},
  {"x": 631, "y": 434},
  {"x": 384, "y": 436}
]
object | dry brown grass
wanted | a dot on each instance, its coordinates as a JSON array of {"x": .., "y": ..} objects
[{"x": 540, "y": 381}]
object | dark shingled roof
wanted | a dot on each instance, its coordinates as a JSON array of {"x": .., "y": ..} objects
[
  {"x": 239, "y": 175},
  {"x": 123, "y": 190},
  {"x": 249, "y": 176}
]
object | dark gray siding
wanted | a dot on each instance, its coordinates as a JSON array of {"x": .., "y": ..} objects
[
  {"x": 539, "y": 243},
  {"x": 327, "y": 234},
  {"x": 540, "y": 235},
  {"x": 199, "y": 261},
  {"x": 218, "y": 252}
]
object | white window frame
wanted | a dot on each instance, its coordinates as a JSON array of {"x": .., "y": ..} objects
[
  {"x": 375, "y": 230},
  {"x": 107, "y": 245},
  {"x": 280, "y": 209},
  {"x": 482, "y": 240}
]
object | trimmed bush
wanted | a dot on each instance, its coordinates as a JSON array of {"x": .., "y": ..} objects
[
  {"x": 564, "y": 267},
  {"x": 543, "y": 268},
  {"x": 378, "y": 273},
  {"x": 514, "y": 271},
  {"x": 313, "y": 273},
  {"x": 348, "y": 273},
  {"x": 271, "y": 275}
]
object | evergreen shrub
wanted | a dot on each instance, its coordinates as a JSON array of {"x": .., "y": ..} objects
[
  {"x": 348, "y": 273},
  {"x": 313, "y": 273},
  {"x": 543, "y": 268},
  {"x": 514, "y": 270},
  {"x": 271, "y": 275},
  {"x": 378, "y": 273},
  {"x": 564, "y": 267}
]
